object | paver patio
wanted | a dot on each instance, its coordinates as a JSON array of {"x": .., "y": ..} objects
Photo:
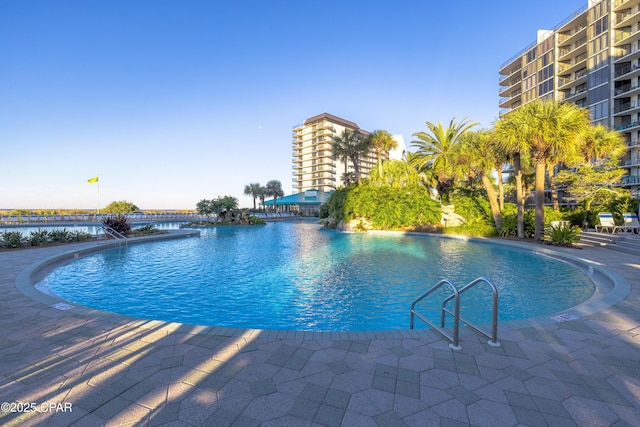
[{"x": 112, "y": 370}]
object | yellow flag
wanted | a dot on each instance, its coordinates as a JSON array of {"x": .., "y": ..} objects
[{"x": 92, "y": 180}]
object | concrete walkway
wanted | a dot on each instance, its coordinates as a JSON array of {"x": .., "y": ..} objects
[{"x": 62, "y": 367}]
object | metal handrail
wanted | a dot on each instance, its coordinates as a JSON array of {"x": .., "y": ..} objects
[
  {"x": 494, "y": 314},
  {"x": 454, "y": 339},
  {"x": 456, "y": 326},
  {"x": 115, "y": 234}
]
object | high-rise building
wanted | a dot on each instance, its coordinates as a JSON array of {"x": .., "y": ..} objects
[
  {"x": 592, "y": 58},
  {"x": 314, "y": 167}
]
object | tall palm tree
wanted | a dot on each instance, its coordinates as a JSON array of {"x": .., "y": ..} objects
[
  {"x": 602, "y": 144},
  {"x": 509, "y": 140},
  {"x": 397, "y": 174},
  {"x": 546, "y": 129},
  {"x": 350, "y": 146},
  {"x": 252, "y": 190},
  {"x": 383, "y": 142},
  {"x": 435, "y": 150},
  {"x": 274, "y": 188},
  {"x": 262, "y": 194},
  {"x": 477, "y": 158}
]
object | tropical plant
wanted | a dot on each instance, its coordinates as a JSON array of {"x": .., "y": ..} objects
[
  {"x": 382, "y": 142},
  {"x": 79, "y": 235},
  {"x": 564, "y": 235},
  {"x": 253, "y": 190},
  {"x": 215, "y": 206},
  {"x": 38, "y": 237},
  {"x": 119, "y": 223},
  {"x": 436, "y": 151},
  {"x": 350, "y": 146},
  {"x": 59, "y": 235},
  {"x": 545, "y": 129},
  {"x": 12, "y": 239},
  {"x": 476, "y": 157},
  {"x": 384, "y": 207},
  {"x": 120, "y": 207},
  {"x": 274, "y": 189},
  {"x": 396, "y": 174}
]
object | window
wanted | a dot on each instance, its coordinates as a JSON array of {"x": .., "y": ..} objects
[
  {"x": 599, "y": 111},
  {"x": 599, "y": 77},
  {"x": 545, "y": 73},
  {"x": 599, "y": 94},
  {"x": 531, "y": 55},
  {"x": 545, "y": 87}
]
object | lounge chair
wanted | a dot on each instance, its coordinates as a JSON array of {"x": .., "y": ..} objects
[
  {"x": 631, "y": 223},
  {"x": 606, "y": 223}
]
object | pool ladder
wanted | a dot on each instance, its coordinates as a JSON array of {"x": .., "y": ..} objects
[
  {"x": 108, "y": 231},
  {"x": 456, "y": 312}
]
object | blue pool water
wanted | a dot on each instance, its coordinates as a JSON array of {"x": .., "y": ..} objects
[{"x": 298, "y": 276}]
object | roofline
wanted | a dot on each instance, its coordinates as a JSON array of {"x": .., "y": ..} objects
[{"x": 332, "y": 118}]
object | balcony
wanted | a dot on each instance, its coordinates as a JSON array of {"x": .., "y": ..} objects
[
  {"x": 628, "y": 127},
  {"x": 626, "y": 70},
  {"x": 627, "y": 35},
  {"x": 625, "y": 17},
  {"x": 567, "y": 38},
  {"x": 626, "y": 89},
  {"x": 623, "y": 107}
]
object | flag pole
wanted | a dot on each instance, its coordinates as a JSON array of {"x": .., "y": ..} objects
[{"x": 98, "y": 205}]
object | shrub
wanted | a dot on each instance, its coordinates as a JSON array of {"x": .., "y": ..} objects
[
  {"x": 12, "y": 239},
  {"x": 59, "y": 235},
  {"x": 38, "y": 237},
  {"x": 475, "y": 230},
  {"x": 473, "y": 206},
  {"x": 119, "y": 222},
  {"x": 566, "y": 235},
  {"x": 79, "y": 236},
  {"x": 254, "y": 220}
]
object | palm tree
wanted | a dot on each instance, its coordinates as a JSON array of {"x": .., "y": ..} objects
[
  {"x": 507, "y": 134},
  {"x": 547, "y": 129},
  {"x": 262, "y": 194},
  {"x": 602, "y": 144},
  {"x": 253, "y": 190},
  {"x": 397, "y": 174},
  {"x": 435, "y": 150},
  {"x": 274, "y": 188},
  {"x": 350, "y": 145},
  {"x": 383, "y": 142},
  {"x": 476, "y": 156}
]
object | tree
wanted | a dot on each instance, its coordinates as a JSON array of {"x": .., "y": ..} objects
[
  {"x": 382, "y": 142},
  {"x": 397, "y": 174},
  {"x": 253, "y": 190},
  {"x": 217, "y": 205},
  {"x": 274, "y": 188},
  {"x": 350, "y": 145},
  {"x": 436, "y": 150},
  {"x": 120, "y": 207},
  {"x": 547, "y": 129},
  {"x": 601, "y": 145},
  {"x": 476, "y": 156},
  {"x": 262, "y": 194}
]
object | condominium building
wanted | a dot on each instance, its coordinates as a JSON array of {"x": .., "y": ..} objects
[
  {"x": 592, "y": 59},
  {"x": 314, "y": 167}
]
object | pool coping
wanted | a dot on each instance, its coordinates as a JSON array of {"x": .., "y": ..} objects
[{"x": 604, "y": 296}]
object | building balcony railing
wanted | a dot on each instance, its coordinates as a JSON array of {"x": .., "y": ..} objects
[
  {"x": 625, "y": 107},
  {"x": 626, "y": 126},
  {"x": 621, "y": 71},
  {"x": 626, "y": 88}
]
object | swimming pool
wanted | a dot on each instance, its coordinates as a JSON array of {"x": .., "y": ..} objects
[{"x": 298, "y": 276}]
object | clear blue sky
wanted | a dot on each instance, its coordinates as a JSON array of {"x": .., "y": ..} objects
[{"x": 171, "y": 102}]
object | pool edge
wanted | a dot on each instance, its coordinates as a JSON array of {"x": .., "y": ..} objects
[{"x": 598, "y": 301}]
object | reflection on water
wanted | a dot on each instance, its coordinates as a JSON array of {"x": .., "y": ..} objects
[{"x": 298, "y": 276}]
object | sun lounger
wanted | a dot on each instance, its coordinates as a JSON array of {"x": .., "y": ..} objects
[
  {"x": 631, "y": 223},
  {"x": 606, "y": 223}
]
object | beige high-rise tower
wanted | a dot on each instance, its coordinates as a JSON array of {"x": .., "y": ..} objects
[{"x": 314, "y": 167}]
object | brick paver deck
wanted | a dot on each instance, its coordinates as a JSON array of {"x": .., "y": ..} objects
[{"x": 85, "y": 368}]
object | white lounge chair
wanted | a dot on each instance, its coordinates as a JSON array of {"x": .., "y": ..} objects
[
  {"x": 631, "y": 223},
  {"x": 606, "y": 223}
]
